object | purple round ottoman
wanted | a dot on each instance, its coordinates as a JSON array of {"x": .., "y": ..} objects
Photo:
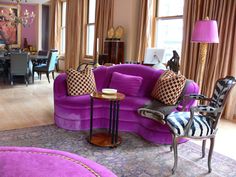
[{"x": 37, "y": 162}]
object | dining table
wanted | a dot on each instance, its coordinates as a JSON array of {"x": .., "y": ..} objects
[{"x": 33, "y": 60}]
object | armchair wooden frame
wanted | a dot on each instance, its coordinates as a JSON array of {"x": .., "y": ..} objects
[{"x": 212, "y": 112}]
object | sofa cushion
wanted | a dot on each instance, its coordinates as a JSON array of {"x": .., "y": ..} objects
[
  {"x": 78, "y": 102},
  {"x": 80, "y": 82},
  {"x": 169, "y": 87},
  {"x": 127, "y": 84},
  {"x": 133, "y": 103}
]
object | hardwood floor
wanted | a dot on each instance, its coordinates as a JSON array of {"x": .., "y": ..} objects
[
  {"x": 30, "y": 106},
  {"x": 23, "y": 106},
  {"x": 225, "y": 139}
]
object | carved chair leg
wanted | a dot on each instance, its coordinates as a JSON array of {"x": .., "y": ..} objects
[
  {"x": 174, "y": 146},
  {"x": 203, "y": 148},
  {"x": 53, "y": 75},
  {"x": 11, "y": 76},
  {"x": 48, "y": 77},
  {"x": 210, "y": 154},
  {"x": 33, "y": 76},
  {"x": 26, "y": 79}
]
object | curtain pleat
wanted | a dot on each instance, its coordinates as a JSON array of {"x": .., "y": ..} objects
[
  {"x": 103, "y": 22},
  {"x": 145, "y": 28},
  {"x": 75, "y": 30},
  {"x": 221, "y": 58},
  {"x": 55, "y": 24},
  {"x": 142, "y": 30}
]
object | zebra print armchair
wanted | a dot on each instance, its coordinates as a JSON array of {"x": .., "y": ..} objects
[{"x": 201, "y": 122}]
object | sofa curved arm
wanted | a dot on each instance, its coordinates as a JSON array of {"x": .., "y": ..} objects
[
  {"x": 185, "y": 104},
  {"x": 60, "y": 86}
]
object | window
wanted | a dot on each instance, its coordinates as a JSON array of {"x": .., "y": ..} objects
[
  {"x": 63, "y": 28},
  {"x": 90, "y": 27},
  {"x": 169, "y": 27}
]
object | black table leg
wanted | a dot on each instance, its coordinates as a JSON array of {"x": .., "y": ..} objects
[
  {"x": 91, "y": 119},
  {"x": 113, "y": 122},
  {"x": 117, "y": 120},
  {"x": 111, "y": 104}
]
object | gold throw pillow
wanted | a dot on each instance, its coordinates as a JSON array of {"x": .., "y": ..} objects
[
  {"x": 80, "y": 82},
  {"x": 169, "y": 87}
]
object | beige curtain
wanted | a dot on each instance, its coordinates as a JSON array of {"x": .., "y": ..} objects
[
  {"x": 103, "y": 22},
  {"x": 221, "y": 58},
  {"x": 75, "y": 32},
  {"x": 146, "y": 27},
  {"x": 142, "y": 30},
  {"x": 55, "y": 24}
]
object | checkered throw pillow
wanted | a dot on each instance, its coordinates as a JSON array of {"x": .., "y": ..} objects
[
  {"x": 168, "y": 87},
  {"x": 80, "y": 82}
]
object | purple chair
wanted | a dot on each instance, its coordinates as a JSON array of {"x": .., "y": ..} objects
[{"x": 73, "y": 112}]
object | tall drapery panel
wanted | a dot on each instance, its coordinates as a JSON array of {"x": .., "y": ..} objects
[
  {"x": 75, "y": 30},
  {"x": 146, "y": 27},
  {"x": 221, "y": 58},
  {"x": 55, "y": 24},
  {"x": 103, "y": 21},
  {"x": 142, "y": 30}
]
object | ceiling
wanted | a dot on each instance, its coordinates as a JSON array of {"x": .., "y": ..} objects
[{"x": 29, "y": 1}]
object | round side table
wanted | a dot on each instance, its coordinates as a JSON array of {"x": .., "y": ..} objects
[{"x": 110, "y": 138}]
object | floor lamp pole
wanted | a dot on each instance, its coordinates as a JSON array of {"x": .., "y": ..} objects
[{"x": 203, "y": 53}]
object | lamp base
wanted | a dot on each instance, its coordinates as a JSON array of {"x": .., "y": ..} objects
[{"x": 97, "y": 62}]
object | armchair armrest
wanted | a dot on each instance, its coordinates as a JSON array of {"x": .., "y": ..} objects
[
  {"x": 193, "y": 96},
  {"x": 203, "y": 109},
  {"x": 199, "y": 97}
]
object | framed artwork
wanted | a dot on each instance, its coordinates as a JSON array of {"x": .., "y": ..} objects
[
  {"x": 10, "y": 34},
  {"x": 153, "y": 56}
]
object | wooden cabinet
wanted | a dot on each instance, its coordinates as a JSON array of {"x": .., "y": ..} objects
[{"x": 114, "y": 51}]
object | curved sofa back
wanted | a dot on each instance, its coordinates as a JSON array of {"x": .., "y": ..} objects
[{"x": 103, "y": 76}]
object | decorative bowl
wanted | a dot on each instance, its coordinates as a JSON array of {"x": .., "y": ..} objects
[{"x": 109, "y": 91}]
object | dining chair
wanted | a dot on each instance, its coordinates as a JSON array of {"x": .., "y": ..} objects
[
  {"x": 2, "y": 69},
  {"x": 42, "y": 53},
  {"x": 56, "y": 63},
  {"x": 202, "y": 120},
  {"x": 19, "y": 66},
  {"x": 47, "y": 68}
]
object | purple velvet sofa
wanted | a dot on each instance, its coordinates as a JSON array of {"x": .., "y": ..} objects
[{"x": 73, "y": 112}]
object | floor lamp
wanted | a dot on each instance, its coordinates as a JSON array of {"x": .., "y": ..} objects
[{"x": 205, "y": 32}]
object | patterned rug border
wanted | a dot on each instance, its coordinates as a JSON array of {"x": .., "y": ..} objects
[{"x": 134, "y": 157}]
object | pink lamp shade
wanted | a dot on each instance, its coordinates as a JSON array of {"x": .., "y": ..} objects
[{"x": 205, "y": 31}]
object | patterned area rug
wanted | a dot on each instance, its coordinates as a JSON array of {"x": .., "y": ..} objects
[{"x": 133, "y": 158}]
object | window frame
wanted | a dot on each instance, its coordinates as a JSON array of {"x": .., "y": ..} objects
[
  {"x": 86, "y": 30},
  {"x": 62, "y": 27},
  {"x": 166, "y": 17}
]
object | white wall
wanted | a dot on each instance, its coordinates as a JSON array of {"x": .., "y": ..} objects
[{"x": 126, "y": 15}]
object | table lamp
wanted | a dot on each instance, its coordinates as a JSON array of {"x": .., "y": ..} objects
[{"x": 205, "y": 32}]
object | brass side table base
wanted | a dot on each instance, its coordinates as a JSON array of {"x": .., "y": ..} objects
[{"x": 104, "y": 139}]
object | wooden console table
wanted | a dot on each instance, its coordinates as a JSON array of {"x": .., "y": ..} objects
[{"x": 114, "y": 51}]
